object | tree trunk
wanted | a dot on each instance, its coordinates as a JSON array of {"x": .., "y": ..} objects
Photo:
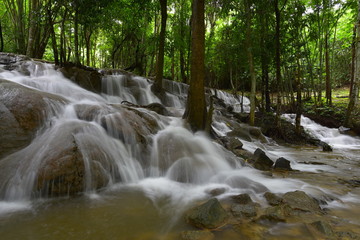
[
  {"x": 1, "y": 40},
  {"x": 353, "y": 54},
  {"x": 33, "y": 23},
  {"x": 76, "y": 36},
  {"x": 355, "y": 88},
  {"x": 196, "y": 106},
  {"x": 53, "y": 37},
  {"x": 88, "y": 34},
  {"x": 277, "y": 62},
  {"x": 298, "y": 100},
  {"x": 265, "y": 63},
  {"x": 327, "y": 71},
  {"x": 251, "y": 62},
  {"x": 160, "y": 58}
]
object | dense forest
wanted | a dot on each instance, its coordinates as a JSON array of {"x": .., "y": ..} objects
[{"x": 286, "y": 50}]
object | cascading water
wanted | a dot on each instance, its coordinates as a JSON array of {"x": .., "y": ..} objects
[{"x": 87, "y": 142}]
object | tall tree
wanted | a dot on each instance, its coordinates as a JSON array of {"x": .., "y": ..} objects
[
  {"x": 250, "y": 60},
  {"x": 16, "y": 10},
  {"x": 355, "y": 86},
  {"x": 1, "y": 39},
  {"x": 277, "y": 60},
  {"x": 195, "y": 112},
  {"x": 157, "y": 87},
  {"x": 33, "y": 23}
]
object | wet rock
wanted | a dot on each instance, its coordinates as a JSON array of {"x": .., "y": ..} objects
[
  {"x": 347, "y": 235},
  {"x": 242, "y": 198},
  {"x": 326, "y": 147},
  {"x": 216, "y": 191},
  {"x": 158, "y": 108},
  {"x": 323, "y": 227},
  {"x": 256, "y": 132},
  {"x": 245, "y": 183},
  {"x": 276, "y": 213},
  {"x": 240, "y": 133},
  {"x": 299, "y": 200},
  {"x": 261, "y": 161},
  {"x": 197, "y": 235},
  {"x": 272, "y": 199},
  {"x": 62, "y": 170},
  {"x": 208, "y": 215},
  {"x": 282, "y": 164},
  {"x": 10, "y": 58},
  {"x": 86, "y": 77},
  {"x": 130, "y": 125},
  {"x": 232, "y": 143},
  {"x": 351, "y": 182},
  {"x": 344, "y": 130},
  {"x": 245, "y": 210},
  {"x": 23, "y": 111}
]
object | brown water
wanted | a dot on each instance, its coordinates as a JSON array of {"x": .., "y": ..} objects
[{"x": 127, "y": 213}]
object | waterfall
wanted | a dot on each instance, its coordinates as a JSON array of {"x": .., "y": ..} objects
[
  {"x": 331, "y": 136},
  {"x": 85, "y": 141}
]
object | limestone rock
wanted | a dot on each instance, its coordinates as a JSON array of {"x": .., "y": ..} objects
[
  {"x": 282, "y": 164},
  {"x": 22, "y": 112},
  {"x": 323, "y": 227},
  {"x": 208, "y": 215},
  {"x": 272, "y": 199},
  {"x": 242, "y": 198},
  {"x": 245, "y": 210},
  {"x": 299, "y": 200},
  {"x": 261, "y": 161}
]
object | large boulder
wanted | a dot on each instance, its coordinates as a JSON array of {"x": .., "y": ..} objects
[
  {"x": 86, "y": 77},
  {"x": 261, "y": 161},
  {"x": 209, "y": 215},
  {"x": 300, "y": 201},
  {"x": 23, "y": 111},
  {"x": 282, "y": 164}
]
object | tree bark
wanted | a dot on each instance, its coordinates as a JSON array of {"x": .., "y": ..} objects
[
  {"x": 196, "y": 106},
  {"x": 353, "y": 54},
  {"x": 277, "y": 61},
  {"x": 53, "y": 37},
  {"x": 160, "y": 58},
  {"x": 251, "y": 62},
  {"x": 298, "y": 100},
  {"x": 1, "y": 39},
  {"x": 76, "y": 35},
  {"x": 33, "y": 23},
  {"x": 355, "y": 88},
  {"x": 327, "y": 72}
]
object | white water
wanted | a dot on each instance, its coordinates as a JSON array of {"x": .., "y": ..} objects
[
  {"x": 177, "y": 155},
  {"x": 331, "y": 136},
  {"x": 174, "y": 164}
]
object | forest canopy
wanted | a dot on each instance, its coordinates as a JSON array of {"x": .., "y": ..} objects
[{"x": 315, "y": 38}]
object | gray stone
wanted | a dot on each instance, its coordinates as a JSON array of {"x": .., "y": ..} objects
[
  {"x": 208, "y": 215},
  {"x": 299, "y": 200},
  {"x": 242, "y": 198},
  {"x": 282, "y": 164},
  {"x": 261, "y": 161},
  {"x": 244, "y": 210},
  {"x": 323, "y": 227},
  {"x": 272, "y": 199},
  {"x": 276, "y": 213}
]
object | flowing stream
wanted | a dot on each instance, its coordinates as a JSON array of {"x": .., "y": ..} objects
[{"x": 139, "y": 180}]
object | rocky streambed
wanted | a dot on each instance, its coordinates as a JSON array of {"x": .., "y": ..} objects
[{"x": 114, "y": 160}]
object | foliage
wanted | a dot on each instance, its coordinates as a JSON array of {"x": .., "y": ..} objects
[{"x": 125, "y": 34}]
